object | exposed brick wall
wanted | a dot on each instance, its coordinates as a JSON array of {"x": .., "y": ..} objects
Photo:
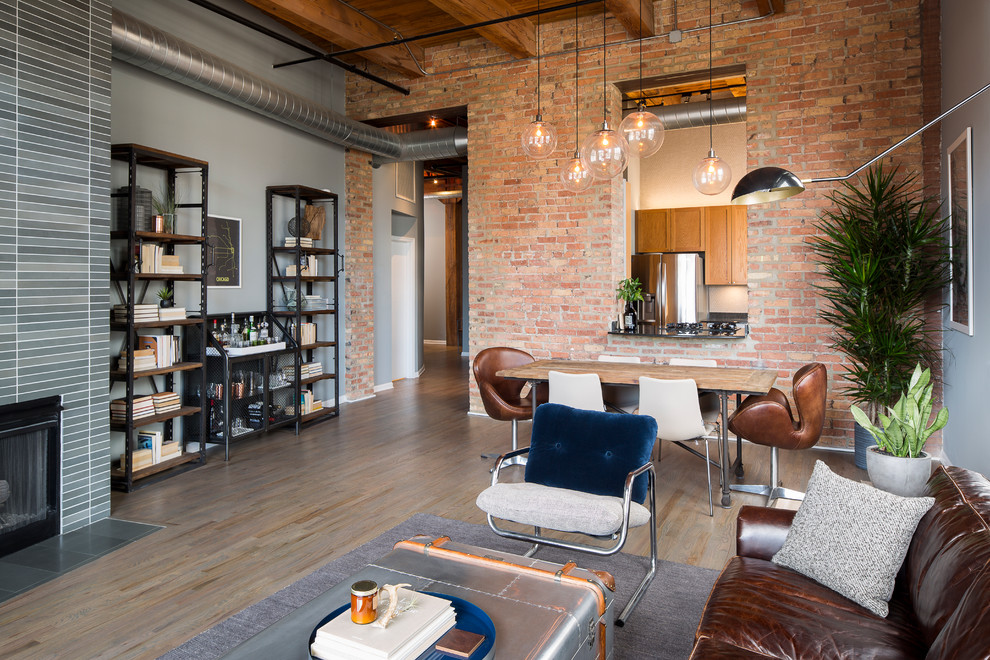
[
  {"x": 359, "y": 278},
  {"x": 829, "y": 85}
]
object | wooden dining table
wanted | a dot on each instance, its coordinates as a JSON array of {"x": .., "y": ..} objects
[{"x": 723, "y": 381}]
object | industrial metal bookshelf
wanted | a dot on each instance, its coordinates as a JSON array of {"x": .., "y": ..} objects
[
  {"x": 302, "y": 285},
  {"x": 135, "y": 237}
]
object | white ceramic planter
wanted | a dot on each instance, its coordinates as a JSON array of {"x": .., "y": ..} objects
[{"x": 901, "y": 476}]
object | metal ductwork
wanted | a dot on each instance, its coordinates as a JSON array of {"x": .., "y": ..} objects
[
  {"x": 159, "y": 52},
  {"x": 692, "y": 115}
]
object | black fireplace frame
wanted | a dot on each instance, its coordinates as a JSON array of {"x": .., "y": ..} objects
[{"x": 28, "y": 417}]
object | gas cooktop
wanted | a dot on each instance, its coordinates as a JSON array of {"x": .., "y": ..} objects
[{"x": 700, "y": 329}]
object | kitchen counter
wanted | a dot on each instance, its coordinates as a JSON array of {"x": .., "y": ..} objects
[{"x": 661, "y": 332}]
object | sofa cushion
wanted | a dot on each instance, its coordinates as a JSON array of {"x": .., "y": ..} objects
[
  {"x": 771, "y": 610},
  {"x": 851, "y": 537},
  {"x": 950, "y": 548},
  {"x": 966, "y": 635}
]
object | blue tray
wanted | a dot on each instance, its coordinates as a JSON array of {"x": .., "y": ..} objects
[{"x": 470, "y": 617}]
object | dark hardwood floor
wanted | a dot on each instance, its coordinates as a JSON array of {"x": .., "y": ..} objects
[{"x": 284, "y": 505}]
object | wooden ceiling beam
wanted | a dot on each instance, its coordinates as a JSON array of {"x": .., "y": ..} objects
[
  {"x": 628, "y": 13},
  {"x": 336, "y": 23},
  {"x": 765, "y": 6},
  {"x": 516, "y": 37}
]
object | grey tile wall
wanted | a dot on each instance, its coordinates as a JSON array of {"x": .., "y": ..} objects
[{"x": 54, "y": 230}]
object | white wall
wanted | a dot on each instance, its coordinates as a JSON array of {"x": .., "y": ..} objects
[
  {"x": 434, "y": 275},
  {"x": 966, "y": 67},
  {"x": 665, "y": 177}
]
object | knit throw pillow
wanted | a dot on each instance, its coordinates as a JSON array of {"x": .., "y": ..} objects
[{"x": 852, "y": 537}]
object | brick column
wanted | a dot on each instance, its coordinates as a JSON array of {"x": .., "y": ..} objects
[{"x": 359, "y": 280}]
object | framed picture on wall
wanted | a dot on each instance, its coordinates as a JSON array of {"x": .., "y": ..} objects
[
  {"x": 223, "y": 251},
  {"x": 960, "y": 205}
]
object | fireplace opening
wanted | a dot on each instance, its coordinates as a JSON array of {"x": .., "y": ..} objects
[{"x": 30, "y": 443}]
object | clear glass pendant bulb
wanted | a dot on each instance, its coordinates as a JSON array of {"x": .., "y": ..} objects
[
  {"x": 712, "y": 175},
  {"x": 605, "y": 153},
  {"x": 574, "y": 175},
  {"x": 643, "y": 132},
  {"x": 539, "y": 139}
]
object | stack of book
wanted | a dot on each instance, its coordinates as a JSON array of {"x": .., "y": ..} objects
[
  {"x": 314, "y": 301},
  {"x": 169, "y": 263},
  {"x": 306, "y": 334},
  {"x": 140, "y": 458},
  {"x": 164, "y": 348},
  {"x": 170, "y": 450},
  {"x": 310, "y": 369},
  {"x": 309, "y": 403},
  {"x": 166, "y": 402},
  {"x": 144, "y": 406},
  {"x": 308, "y": 266},
  {"x": 171, "y": 313},
  {"x": 141, "y": 313},
  {"x": 304, "y": 241},
  {"x": 151, "y": 440},
  {"x": 144, "y": 359},
  {"x": 407, "y": 636}
]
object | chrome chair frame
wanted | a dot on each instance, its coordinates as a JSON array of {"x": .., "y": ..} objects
[{"x": 537, "y": 539}]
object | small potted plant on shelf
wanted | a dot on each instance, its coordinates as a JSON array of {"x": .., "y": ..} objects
[
  {"x": 165, "y": 204},
  {"x": 165, "y": 297},
  {"x": 629, "y": 291},
  {"x": 898, "y": 462}
]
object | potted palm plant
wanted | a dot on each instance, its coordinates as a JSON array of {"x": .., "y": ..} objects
[
  {"x": 884, "y": 264},
  {"x": 629, "y": 291},
  {"x": 898, "y": 462}
]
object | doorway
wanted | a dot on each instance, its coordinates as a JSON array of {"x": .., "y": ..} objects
[{"x": 403, "y": 263}]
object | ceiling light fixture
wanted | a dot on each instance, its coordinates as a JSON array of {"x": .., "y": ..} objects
[
  {"x": 539, "y": 139},
  {"x": 712, "y": 175},
  {"x": 605, "y": 152},
  {"x": 574, "y": 175},
  {"x": 433, "y": 121},
  {"x": 642, "y": 129},
  {"x": 770, "y": 184}
]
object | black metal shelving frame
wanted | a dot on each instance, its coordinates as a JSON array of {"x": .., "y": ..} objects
[
  {"x": 126, "y": 282},
  {"x": 302, "y": 196}
]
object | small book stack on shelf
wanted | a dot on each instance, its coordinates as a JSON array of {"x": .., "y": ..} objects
[
  {"x": 304, "y": 241},
  {"x": 144, "y": 406},
  {"x": 306, "y": 334},
  {"x": 141, "y": 313},
  {"x": 170, "y": 264},
  {"x": 316, "y": 302},
  {"x": 408, "y": 635},
  {"x": 309, "y": 403},
  {"x": 166, "y": 402},
  {"x": 171, "y": 313},
  {"x": 144, "y": 359},
  {"x": 310, "y": 369},
  {"x": 154, "y": 260},
  {"x": 309, "y": 266},
  {"x": 165, "y": 349}
]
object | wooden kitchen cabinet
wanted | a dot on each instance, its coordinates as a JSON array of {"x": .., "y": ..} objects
[
  {"x": 725, "y": 245},
  {"x": 651, "y": 230},
  {"x": 686, "y": 229}
]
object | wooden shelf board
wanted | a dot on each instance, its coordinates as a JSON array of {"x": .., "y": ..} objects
[
  {"x": 117, "y": 325},
  {"x": 304, "y": 278},
  {"x": 319, "y": 344},
  {"x": 305, "y": 193},
  {"x": 305, "y": 312},
  {"x": 175, "y": 277},
  {"x": 316, "y": 379},
  {"x": 156, "y": 468},
  {"x": 155, "y": 237},
  {"x": 152, "y": 157},
  {"x": 178, "y": 366},
  {"x": 305, "y": 250},
  {"x": 318, "y": 414}
]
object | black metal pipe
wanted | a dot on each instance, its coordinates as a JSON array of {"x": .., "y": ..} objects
[
  {"x": 314, "y": 53},
  {"x": 440, "y": 33}
]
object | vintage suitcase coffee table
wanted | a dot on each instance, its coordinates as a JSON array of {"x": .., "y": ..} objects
[{"x": 540, "y": 610}]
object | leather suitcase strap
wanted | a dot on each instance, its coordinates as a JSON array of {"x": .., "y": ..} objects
[{"x": 435, "y": 548}]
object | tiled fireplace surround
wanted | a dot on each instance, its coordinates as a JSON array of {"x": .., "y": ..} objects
[{"x": 54, "y": 238}]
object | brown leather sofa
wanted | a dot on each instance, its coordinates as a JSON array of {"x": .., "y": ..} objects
[{"x": 940, "y": 607}]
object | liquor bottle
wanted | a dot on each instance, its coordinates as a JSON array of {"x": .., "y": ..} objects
[
  {"x": 629, "y": 317},
  {"x": 263, "y": 333},
  {"x": 224, "y": 335},
  {"x": 216, "y": 332},
  {"x": 252, "y": 332}
]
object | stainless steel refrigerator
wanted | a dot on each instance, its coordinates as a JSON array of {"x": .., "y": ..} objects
[{"x": 673, "y": 287}]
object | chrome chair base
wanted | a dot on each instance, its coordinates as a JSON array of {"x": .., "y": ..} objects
[{"x": 772, "y": 491}]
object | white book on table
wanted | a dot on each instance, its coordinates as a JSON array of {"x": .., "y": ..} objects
[{"x": 407, "y": 635}]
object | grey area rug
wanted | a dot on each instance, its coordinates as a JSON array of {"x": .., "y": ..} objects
[{"x": 662, "y": 626}]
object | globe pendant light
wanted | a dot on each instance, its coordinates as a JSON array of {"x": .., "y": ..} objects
[
  {"x": 642, "y": 129},
  {"x": 712, "y": 175},
  {"x": 605, "y": 152},
  {"x": 574, "y": 175},
  {"x": 539, "y": 139}
]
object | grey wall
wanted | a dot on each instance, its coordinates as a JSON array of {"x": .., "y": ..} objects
[
  {"x": 965, "y": 68},
  {"x": 54, "y": 231},
  {"x": 384, "y": 204},
  {"x": 434, "y": 274}
]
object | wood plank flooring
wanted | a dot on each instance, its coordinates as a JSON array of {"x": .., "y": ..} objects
[{"x": 284, "y": 505}]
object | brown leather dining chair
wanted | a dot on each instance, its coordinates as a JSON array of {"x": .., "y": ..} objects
[
  {"x": 767, "y": 420},
  {"x": 502, "y": 397}
]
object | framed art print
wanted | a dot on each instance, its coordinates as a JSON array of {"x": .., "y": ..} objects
[
  {"x": 223, "y": 245},
  {"x": 960, "y": 203}
]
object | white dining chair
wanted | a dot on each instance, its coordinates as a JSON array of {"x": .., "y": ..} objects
[
  {"x": 674, "y": 404},
  {"x": 711, "y": 408},
  {"x": 620, "y": 397},
  {"x": 582, "y": 391}
]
